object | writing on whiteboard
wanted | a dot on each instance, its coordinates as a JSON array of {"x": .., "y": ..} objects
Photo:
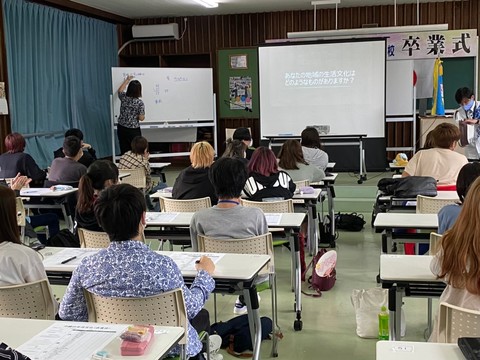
[
  {"x": 134, "y": 74},
  {"x": 177, "y": 78}
]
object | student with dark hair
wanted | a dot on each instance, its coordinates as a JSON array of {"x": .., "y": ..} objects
[
  {"x": 132, "y": 110},
  {"x": 89, "y": 154},
  {"x": 441, "y": 162},
  {"x": 236, "y": 149},
  {"x": 19, "y": 264},
  {"x": 136, "y": 158},
  {"x": 449, "y": 213},
  {"x": 15, "y": 161},
  {"x": 100, "y": 175},
  {"x": 469, "y": 114},
  {"x": 68, "y": 169},
  {"x": 265, "y": 181},
  {"x": 312, "y": 149},
  {"x": 228, "y": 219},
  {"x": 128, "y": 268},
  {"x": 292, "y": 161},
  {"x": 243, "y": 134}
]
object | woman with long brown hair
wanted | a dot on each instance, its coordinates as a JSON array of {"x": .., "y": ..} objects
[
  {"x": 458, "y": 260},
  {"x": 292, "y": 161}
]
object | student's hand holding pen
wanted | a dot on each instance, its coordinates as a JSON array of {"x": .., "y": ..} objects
[{"x": 205, "y": 263}]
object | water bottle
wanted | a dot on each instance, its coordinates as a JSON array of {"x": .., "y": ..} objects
[{"x": 383, "y": 324}]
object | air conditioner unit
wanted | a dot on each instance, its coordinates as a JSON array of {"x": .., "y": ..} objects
[{"x": 164, "y": 31}]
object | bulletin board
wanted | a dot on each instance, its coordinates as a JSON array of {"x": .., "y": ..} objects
[{"x": 238, "y": 83}]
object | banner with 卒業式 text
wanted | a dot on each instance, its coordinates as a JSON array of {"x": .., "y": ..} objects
[{"x": 432, "y": 44}]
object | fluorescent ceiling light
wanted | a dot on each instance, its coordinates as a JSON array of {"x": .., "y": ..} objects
[
  {"x": 365, "y": 31},
  {"x": 207, "y": 3},
  {"x": 325, "y": 2}
]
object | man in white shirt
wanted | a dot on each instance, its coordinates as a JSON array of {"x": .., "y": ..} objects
[{"x": 469, "y": 114}]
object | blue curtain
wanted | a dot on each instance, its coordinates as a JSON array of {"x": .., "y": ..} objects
[{"x": 59, "y": 72}]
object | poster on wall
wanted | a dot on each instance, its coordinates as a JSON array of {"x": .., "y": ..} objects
[
  {"x": 3, "y": 100},
  {"x": 240, "y": 92}
]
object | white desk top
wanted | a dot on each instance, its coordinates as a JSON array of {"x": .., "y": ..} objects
[
  {"x": 15, "y": 332},
  {"x": 183, "y": 219},
  {"x": 326, "y": 179},
  {"x": 229, "y": 266},
  {"x": 449, "y": 195},
  {"x": 331, "y": 165},
  {"x": 393, "y": 166},
  {"x": 407, "y": 350},
  {"x": 406, "y": 220},
  {"x": 45, "y": 192},
  {"x": 406, "y": 268},
  {"x": 313, "y": 196},
  {"x": 158, "y": 165}
]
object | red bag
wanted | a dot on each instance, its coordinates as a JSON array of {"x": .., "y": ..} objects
[{"x": 322, "y": 283}]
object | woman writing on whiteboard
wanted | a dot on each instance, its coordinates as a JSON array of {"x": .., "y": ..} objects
[{"x": 132, "y": 110}]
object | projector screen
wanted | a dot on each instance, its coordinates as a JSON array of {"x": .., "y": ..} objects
[{"x": 340, "y": 84}]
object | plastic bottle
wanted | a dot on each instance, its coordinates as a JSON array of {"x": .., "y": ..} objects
[{"x": 383, "y": 324}]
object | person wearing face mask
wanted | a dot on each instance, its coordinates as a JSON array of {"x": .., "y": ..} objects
[
  {"x": 243, "y": 134},
  {"x": 469, "y": 113}
]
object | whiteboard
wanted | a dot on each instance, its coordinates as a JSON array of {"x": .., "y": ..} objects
[
  {"x": 399, "y": 94},
  {"x": 170, "y": 94}
]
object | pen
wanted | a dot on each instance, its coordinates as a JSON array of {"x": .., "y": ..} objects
[{"x": 68, "y": 260}]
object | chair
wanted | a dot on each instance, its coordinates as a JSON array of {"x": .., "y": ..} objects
[
  {"x": 136, "y": 178},
  {"x": 28, "y": 301},
  {"x": 181, "y": 237},
  {"x": 455, "y": 322},
  {"x": 165, "y": 309},
  {"x": 431, "y": 205},
  {"x": 229, "y": 132},
  {"x": 21, "y": 218},
  {"x": 184, "y": 205},
  {"x": 261, "y": 244},
  {"x": 434, "y": 243},
  {"x": 93, "y": 239},
  {"x": 282, "y": 206}
]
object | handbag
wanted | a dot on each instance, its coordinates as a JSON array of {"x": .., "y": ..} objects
[{"x": 324, "y": 274}]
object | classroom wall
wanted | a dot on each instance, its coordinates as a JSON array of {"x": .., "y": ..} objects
[{"x": 207, "y": 34}]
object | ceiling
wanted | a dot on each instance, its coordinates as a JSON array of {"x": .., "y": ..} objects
[{"x": 173, "y": 8}]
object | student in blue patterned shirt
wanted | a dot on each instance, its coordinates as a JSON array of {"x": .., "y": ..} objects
[{"x": 128, "y": 268}]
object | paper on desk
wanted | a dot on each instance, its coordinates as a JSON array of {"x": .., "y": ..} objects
[
  {"x": 34, "y": 191},
  {"x": 56, "y": 259},
  {"x": 273, "y": 218},
  {"x": 186, "y": 261},
  {"x": 160, "y": 217},
  {"x": 72, "y": 341}
]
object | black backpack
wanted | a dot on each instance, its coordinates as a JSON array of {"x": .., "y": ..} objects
[
  {"x": 64, "y": 238},
  {"x": 235, "y": 333},
  {"x": 349, "y": 222},
  {"x": 408, "y": 187}
]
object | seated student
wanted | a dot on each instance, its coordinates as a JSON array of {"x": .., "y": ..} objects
[
  {"x": 449, "y": 213},
  {"x": 136, "y": 158},
  {"x": 442, "y": 162},
  {"x": 89, "y": 154},
  {"x": 243, "y": 135},
  {"x": 128, "y": 268},
  {"x": 265, "y": 181},
  {"x": 457, "y": 260},
  {"x": 312, "y": 149},
  {"x": 19, "y": 264},
  {"x": 193, "y": 182},
  {"x": 68, "y": 169},
  {"x": 291, "y": 160},
  {"x": 15, "y": 161},
  {"x": 100, "y": 175},
  {"x": 228, "y": 219},
  {"x": 236, "y": 149}
]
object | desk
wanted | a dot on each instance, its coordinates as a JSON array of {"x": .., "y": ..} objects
[
  {"x": 15, "y": 332},
  {"x": 330, "y": 165},
  {"x": 327, "y": 184},
  {"x": 341, "y": 140},
  {"x": 386, "y": 222},
  {"x": 234, "y": 273},
  {"x": 59, "y": 201},
  {"x": 397, "y": 168},
  {"x": 408, "y": 350},
  {"x": 409, "y": 275},
  {"x": 291, "y": 222},
  {"x": 158, "y": 167},
  {"x": 310, "y": 201}
]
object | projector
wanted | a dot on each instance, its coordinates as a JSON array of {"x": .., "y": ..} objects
[{"x": 322, "y": 129}]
